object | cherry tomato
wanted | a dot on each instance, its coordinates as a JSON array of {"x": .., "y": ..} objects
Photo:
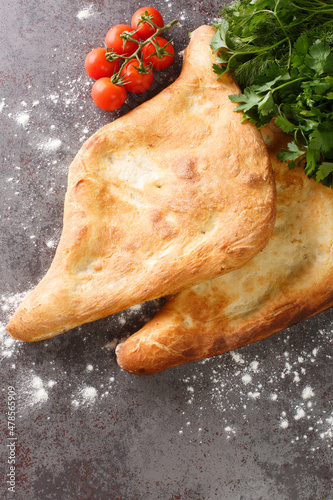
[
  {"x": 97, "y": 66},
  {"x": 114, "y": 41},
  {"x": 145, "y": 30},
  {"x": 107, "y": 95},
  {"x": 162, "y": 62},
  {"x": 136, "y": 82}
]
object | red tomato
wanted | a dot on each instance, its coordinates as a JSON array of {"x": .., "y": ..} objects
[
  {"x": 107, "y": 95},
  {"x": 97, "y": 66},
  {"x": 158, "y": 62},
  {"x": 114, "y": 41},
  {"x": 145, "y": 30},
  {"x": 136, "y": 82}
]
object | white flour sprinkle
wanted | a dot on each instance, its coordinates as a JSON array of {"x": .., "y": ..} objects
[
  {"x": 328, "y": 433},
  {"x": 230, "y": 430},
  {"x": 23, "y": 118},
  {"x": 9, "y": 303},
  {"x": 254, "y": 366},
  {"x": 246, "y": 378},
  {"x": 51, "y": 244},
  {"x": 2, "y": 105},
  {"x": 137, "y": 307},
  {"x": 307, "y": 392},
  {"x": 37, "y": 393},
  {"x": 284, "y": 424},
  {"x": 85, "y": 13},
  {"x": 122, "y": 320},
  {"x": 37, "y": 382},
  {"x": 41, "y": 395},
  {"x": 50, "y": 145},
  {"x": 254, "y": 395},
  {"x": 9, "y": 342},
  {"x": 89, "y": 368},
  {"x": 86, "y": 396},
  {"x": 89, "y": 393},
  {"x": 54, "y": 98},
  {"x": 237, "y": 357},
  {"x": 300, "y": 413},
  {"x": 112, "y": 345}
]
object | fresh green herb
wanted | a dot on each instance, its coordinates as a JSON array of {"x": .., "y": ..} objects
[{"x": 281, "y": 55}]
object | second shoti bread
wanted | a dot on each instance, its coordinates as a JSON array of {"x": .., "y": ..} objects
[{"x": 290, "y": 280}]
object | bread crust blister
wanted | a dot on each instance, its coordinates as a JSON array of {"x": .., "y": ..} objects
[
  {"x": 290, "y": 280},
  {"x": 176, "y": 192}
]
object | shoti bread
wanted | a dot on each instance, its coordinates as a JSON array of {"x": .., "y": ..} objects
[
  {"x": 290, "y": 280},
  {"x": 176, "y": 192}
]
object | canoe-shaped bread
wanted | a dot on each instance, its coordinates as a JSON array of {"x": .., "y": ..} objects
[
  {"x": 290, "y": 280},
  {"x": 174, "y": 193}
]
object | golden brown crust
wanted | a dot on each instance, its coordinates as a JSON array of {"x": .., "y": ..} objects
[
  {"x": 156, "y": 204},
  {"x": 290, "y": 280}
]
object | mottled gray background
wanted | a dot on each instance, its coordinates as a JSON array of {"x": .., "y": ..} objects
[{"x": 253, "y": 425}]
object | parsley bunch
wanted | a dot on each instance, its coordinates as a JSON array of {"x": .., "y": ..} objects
[{"x": 281, "y": 55}]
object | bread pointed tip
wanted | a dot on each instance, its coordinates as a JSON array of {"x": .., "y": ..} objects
[
  {"x": 143, "y": 354},
  {"x": 130, "y": 361},
  {"x": 127, "y": 363},
  {"x": 35, "y": 318}
]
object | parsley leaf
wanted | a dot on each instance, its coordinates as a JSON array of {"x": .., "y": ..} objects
[
  {"x": 281, "y": 55},
  {"x": 291, "y": 154}
]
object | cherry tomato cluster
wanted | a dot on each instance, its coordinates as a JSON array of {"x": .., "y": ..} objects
[{"x": 130, "y": 55}]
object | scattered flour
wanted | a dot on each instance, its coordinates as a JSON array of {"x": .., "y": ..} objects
[
  {"x": 112, "y": 345},
  {"x": 50, "y": 145},
  {"x": 9, "y": 302},
  {"x": 284, "y": 424},
  {"x": 328, "y": 433},
  {"x": 246, "y": 378},
  {"x": 237, "y": 357},
  {"x": 307, "y": 393},
  {"x": 85, "y": 13},
  {"x": 33, "y": 390},
  {"x": 37, "y": 382},
  {"x": 23, "y": 118},
  {"x": 300, "y": 413},
  {"x": 86, "y": 396},
  {"x": 254, "y": 366},
  {"x": 136, "y": 307},
  {"x": 89, "y": 393},
  {"x": 254, "y": 395},
  {"x": 122, "y": 320},
  {"x": 40, "y": 394}
]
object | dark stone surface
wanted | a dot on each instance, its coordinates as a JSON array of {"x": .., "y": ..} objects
[{"x": 247, "y": 426}]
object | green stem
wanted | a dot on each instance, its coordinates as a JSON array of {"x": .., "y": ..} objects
[
  {"x": 315, "y": 10},
  {"x": 287, "y": 83},
  {"x": 274, "y": 13},
  {"x": 116, "y": 77},
  {"x": 285, "y": 33}
]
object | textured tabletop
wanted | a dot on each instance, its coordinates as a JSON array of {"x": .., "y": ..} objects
[{"x": 254, "y": 424}]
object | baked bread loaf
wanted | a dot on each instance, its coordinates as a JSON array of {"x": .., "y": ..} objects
[
  {"x": 174, "y": 193},
  {"x": 290, "y": 280}
]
